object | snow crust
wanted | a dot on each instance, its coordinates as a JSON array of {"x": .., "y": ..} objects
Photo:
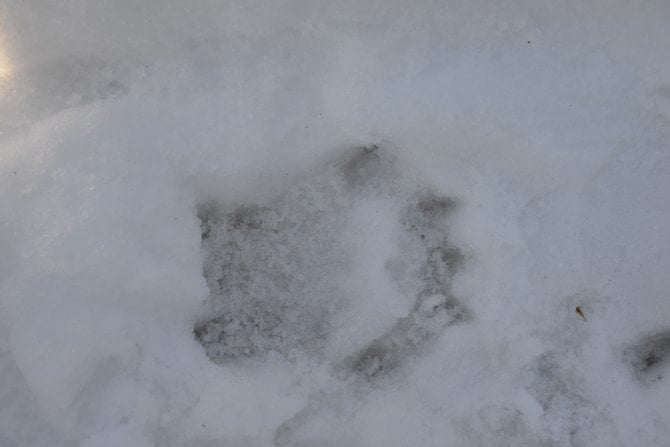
[{"x": 354, "y": 223}]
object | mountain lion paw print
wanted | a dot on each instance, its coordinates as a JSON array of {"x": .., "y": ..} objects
[{"x": 276, "y": 270}]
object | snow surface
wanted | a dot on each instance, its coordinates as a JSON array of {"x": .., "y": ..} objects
[{"x": 347, "y": 223}]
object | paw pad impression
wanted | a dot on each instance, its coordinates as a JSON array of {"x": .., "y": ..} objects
[{"x": 276, "y": 271}]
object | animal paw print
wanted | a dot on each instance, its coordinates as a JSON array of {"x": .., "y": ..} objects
[
  {"x": 649, "y": 356},
  {"x": 275, "y": 270}
]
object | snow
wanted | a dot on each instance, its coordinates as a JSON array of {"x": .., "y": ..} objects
[{"x": 257, "y": 223}]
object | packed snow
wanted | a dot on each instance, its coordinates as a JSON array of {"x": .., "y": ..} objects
[{"x": 346, "y": 223}]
